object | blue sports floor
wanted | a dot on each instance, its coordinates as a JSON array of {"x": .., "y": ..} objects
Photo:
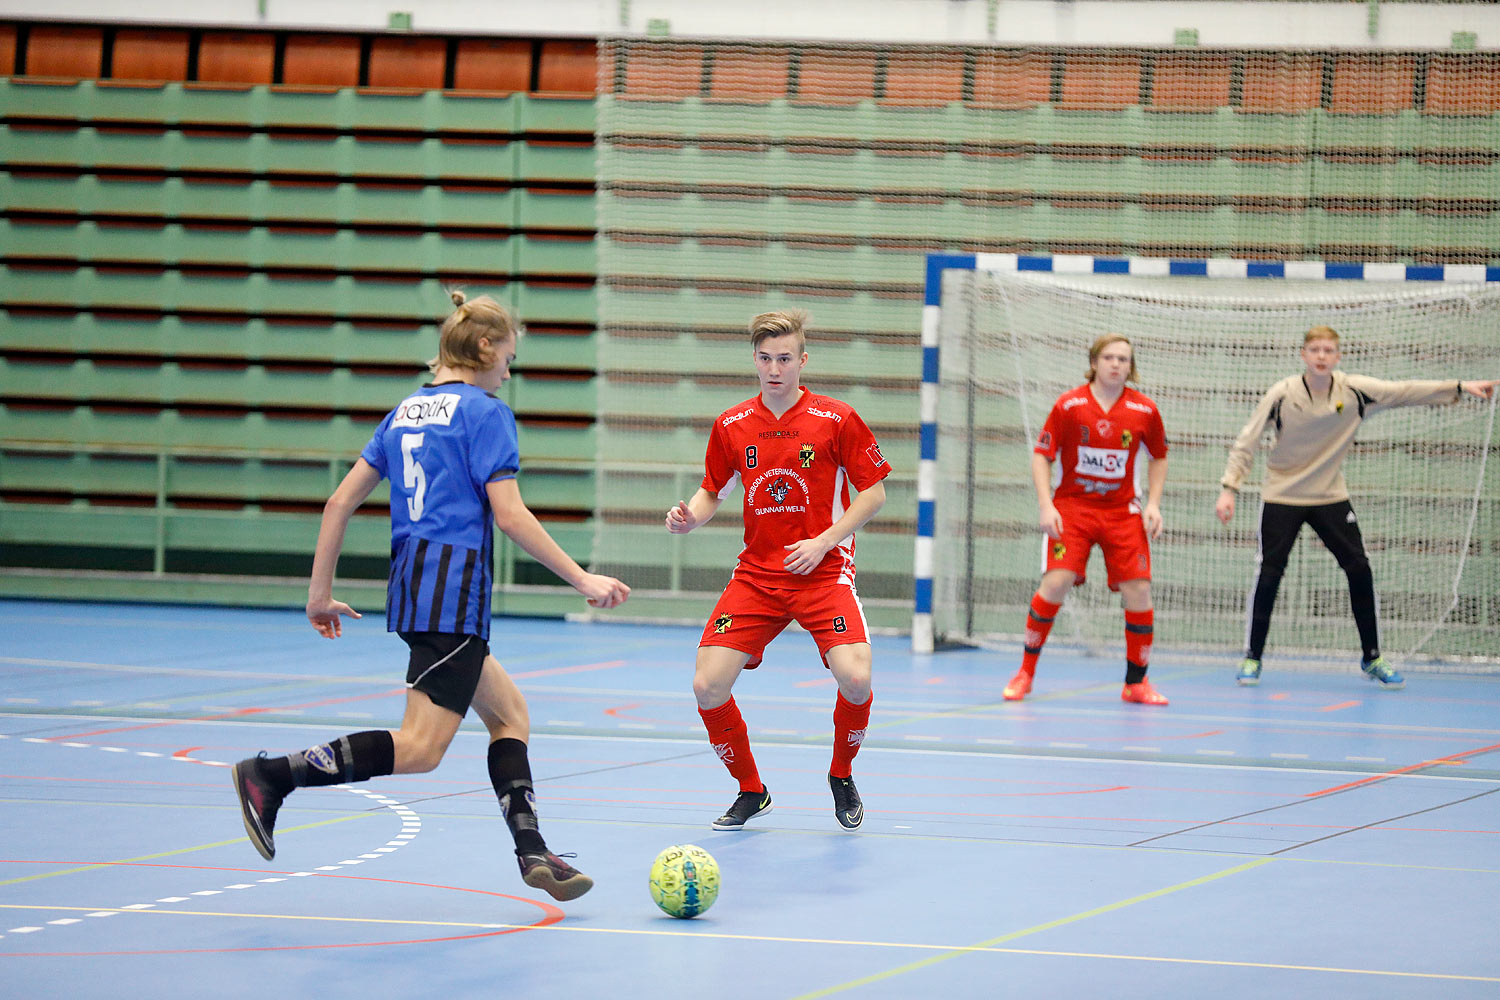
[{"x": 1313, "y": 836}]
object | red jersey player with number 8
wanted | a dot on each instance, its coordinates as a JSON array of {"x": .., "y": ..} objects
[
  {"x": 796, "y": 454},
  {"x": 1095, "y": 432}
]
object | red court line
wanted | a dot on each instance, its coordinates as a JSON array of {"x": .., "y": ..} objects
[
  {"x": 581, "y": 668},
  {"x": 1339, "y": 705},
  {"x": 237, "y": 713},
  {"x": 1453, "y": 758}
]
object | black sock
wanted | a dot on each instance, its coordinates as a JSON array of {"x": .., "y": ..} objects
[
  {"x": 510, "y": 773},
  {"x": 355, "y": 757},
  {"x": 1134, "y": 673}
]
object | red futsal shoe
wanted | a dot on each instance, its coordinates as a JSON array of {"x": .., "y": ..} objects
[
  {"x": 1019, "y": 686},
  {"x": 1142, "y": 694}
]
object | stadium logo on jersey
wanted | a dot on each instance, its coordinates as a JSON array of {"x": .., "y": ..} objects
[
  {"x": 1125, "y": 438},
  {"x": 725, "y": 752},
  {"x": 736, "y": 416},
  {"x": 426, "y": 411},
  {"x": 837, "y": 417},
  {"x": 1075, "y": 401},
  {"x": 1102, "y": 463},
  {"x": 876, "y": 458},
  {"x": 321, "y": 757},
  {"x": 723, "y": 623},
  {"x": 1139, "y": 407},
  {"x": 806, "y": 454},
  {"x": 1059, "y": 550}
]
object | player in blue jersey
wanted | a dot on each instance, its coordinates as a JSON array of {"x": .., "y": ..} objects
[{"x": 450, "y": 452}]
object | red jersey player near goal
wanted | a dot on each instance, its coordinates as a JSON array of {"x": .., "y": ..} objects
[
  {"x": 796, "y": 454},
  {"x": 1097, "y": 430}
]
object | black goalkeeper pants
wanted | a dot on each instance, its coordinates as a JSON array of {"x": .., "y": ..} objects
[{"x": 1337, "y": 527}]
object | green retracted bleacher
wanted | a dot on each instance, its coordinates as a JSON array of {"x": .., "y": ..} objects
[{"x": 212, "y": 288}]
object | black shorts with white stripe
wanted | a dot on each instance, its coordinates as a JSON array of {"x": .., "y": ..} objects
[{"x": 445, "y": 667}]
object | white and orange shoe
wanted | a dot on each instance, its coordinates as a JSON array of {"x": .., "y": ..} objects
[
  {"x": 1019, "y": 686},
  {"x": 1142, "y": 694}
]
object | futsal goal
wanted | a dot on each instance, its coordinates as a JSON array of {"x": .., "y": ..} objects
[{"x": 1004, "y": 335}]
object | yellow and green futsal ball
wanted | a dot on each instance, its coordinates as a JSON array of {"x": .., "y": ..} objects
[{"x": 684, "y": 880}]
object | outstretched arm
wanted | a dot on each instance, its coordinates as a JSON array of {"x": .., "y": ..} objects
[
  {"x": 322, "y": 610},
  {"x": 1484, "y": 390},
  {"x": 513, "y": 517}
]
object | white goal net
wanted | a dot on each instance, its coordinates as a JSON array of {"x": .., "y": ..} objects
[{"x": 1422, "y": 480}]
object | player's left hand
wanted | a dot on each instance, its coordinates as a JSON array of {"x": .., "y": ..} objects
[
  {"x": 805, "y": 556},
  {"x": 1484, "y": 390},
  {"x": 324, "y": 615},
  {"x": 1154, "y": 524}
]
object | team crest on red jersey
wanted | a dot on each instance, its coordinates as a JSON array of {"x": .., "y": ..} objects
[
  {"x": 1059, "y": 550},
  {"x": 1125, "y": 438},
  {"x": 723, "y": 623},
  {"x": 806, "y": 454}
]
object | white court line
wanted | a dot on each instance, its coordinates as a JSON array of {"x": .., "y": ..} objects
[{"x": 411, "y": 823}]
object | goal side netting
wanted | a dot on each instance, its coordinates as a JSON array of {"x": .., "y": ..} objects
[{"x": 1422, "y": 479}]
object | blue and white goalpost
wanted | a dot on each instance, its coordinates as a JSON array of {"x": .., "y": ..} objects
[{"x": 1004, "y": 334}]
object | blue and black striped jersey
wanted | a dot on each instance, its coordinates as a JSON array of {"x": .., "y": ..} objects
[{"x": 439, "y": 448}]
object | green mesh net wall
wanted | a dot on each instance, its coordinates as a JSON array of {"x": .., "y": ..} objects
[{"x": 735, "y": 178}]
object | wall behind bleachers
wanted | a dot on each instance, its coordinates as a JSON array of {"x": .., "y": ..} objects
[{"x": 224, "y": 257}]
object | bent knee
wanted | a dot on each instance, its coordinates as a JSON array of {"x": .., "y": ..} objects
[
  {"x": 417, "y": 756},
  {"x": 711, "y": 692}
]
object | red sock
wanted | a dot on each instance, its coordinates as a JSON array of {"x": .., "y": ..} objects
[
  {"x": 1039, "y": 618},
  {"x": 849, "y": 722},
  {"x": 1138, "y": 630},
  {"x": 731, "y": 741}
]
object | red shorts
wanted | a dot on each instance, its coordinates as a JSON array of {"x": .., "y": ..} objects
[
  {"x": 1118, "y": 531},
  {"x": 749, "y": 616}
]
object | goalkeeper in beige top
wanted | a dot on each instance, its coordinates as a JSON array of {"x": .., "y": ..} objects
[{"x": 1315, "y": 415}]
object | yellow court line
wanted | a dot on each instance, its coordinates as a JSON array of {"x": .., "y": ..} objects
[
  {"x": 180, "y": 850},
  {"x": 835, "y": 834},
  {"x": 952, "y": 950},
  {"x": 1061, "y": 921}
]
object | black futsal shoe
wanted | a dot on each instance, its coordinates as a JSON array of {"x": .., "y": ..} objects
[
  {"x": 546, "y": 871},
  {"x": 258, "y": 804},
  {"x": 848, "y": 809},
  {"x": 747, "y": 806}
]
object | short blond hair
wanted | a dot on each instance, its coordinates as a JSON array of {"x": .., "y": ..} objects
[
  {"x": 472, "y": 321},
  {"x": 779, "y": 324},
  {"x": 1320, "y": 333},
  {"x": 1098, "y": 349}
]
